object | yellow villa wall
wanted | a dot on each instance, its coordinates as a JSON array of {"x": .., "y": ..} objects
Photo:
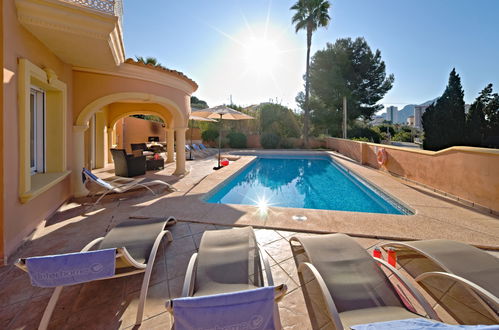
[
  {"x": 97, "y": 85},
  {"x": 470, "y": 174},
  {"x": 2, "y": 148},
  {"x": 22, "y": 219}
]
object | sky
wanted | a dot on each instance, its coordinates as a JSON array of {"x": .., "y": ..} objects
[{"x": 249, "y": 51}]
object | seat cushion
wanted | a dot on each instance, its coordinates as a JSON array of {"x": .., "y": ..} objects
[
  {"x": 375, "y": 314},
  {"x": 352, "y": 277},
  {"x": 226, "y": 261},
  {"x": 137, "y": 236}
]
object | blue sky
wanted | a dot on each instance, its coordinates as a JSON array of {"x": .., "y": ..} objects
[{"x": 249, "y": 49}]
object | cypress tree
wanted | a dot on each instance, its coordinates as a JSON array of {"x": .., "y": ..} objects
[{"x": 444, "y": 123}]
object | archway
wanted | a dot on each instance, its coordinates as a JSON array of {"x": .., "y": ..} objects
[{"x": 119, "y": 105}]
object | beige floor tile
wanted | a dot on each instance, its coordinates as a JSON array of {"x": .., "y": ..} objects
[
  {"x": 176, "y": 265},
  {"x": 266, "y": 236},
  {"x": 281, "y": 277},
  {"x": 279, "y": 250},
  {"x": 175, "y": 285},
  {"x": 180, "y": 245},
  {"x": 293, "y": 312},
  {"x": 157, "y": 295}
]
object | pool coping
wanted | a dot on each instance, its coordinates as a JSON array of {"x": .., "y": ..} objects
[{"x": 435, "y": 216}]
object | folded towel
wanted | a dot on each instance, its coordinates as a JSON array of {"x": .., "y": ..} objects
[
  {"x": 249, "y": 309},
  {"x": 71, "y": 268},
  {"x": 419, "y": 324}
]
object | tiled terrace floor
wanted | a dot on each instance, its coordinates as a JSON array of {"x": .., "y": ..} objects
[{"x": 111, "y": 304}]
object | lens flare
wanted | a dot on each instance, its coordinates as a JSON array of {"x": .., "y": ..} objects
[{"x": 263, "y": 206}]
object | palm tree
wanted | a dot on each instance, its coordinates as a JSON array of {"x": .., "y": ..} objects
[
  {"x": 310, "y": 15},
  {"x": 149, "y": 60}
]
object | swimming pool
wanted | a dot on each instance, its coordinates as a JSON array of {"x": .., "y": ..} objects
[{"x": 303, "y": 181}]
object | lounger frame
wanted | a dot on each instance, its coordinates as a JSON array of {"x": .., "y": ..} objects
[
  {"x": 190, "y": 279},
  {"x": 121, "y": 188},
  {"x": 121, "y": 253},
  {"x": 328, "y": 299},
  {"x": 471, "y": 288}
]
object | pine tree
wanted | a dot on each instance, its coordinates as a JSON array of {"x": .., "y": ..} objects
[
  {"x": 475, "y": 119},
  {"x": 444, "y": 123}
]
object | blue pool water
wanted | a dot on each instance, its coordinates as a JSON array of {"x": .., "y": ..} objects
[{"x": 311, "y": 182}]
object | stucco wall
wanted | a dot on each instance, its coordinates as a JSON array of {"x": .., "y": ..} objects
[
  {"x": 471, "y": 174},
  {"x": 99, "y": 85},
  {"x": 137, "y": 131},
  {"x": 21, "y": 219}
]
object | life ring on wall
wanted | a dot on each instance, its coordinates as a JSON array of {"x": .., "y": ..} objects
[{"x": 381, "y": 156}]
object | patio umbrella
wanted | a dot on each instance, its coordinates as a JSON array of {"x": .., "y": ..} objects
[
  {"x": 221, "y": 112},
  {"x": 192, "y": 118}
]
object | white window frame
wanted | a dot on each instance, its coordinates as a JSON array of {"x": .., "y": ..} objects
[{"x": 39, "y": 130}]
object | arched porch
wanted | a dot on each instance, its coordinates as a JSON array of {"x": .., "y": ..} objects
[
  {"x": 94, "y": 130},
  {"x": 101, "y": 98}
]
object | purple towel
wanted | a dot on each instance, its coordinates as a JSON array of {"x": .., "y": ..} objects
[
  {"x": 71, "y": 268},
  {"x": 249, "y": 309},
  {"x": 420, "y": 324}
]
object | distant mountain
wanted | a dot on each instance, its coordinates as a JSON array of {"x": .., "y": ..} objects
[{"x": 408, "y": 111}]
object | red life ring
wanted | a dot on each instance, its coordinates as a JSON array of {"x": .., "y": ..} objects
[{"x": 381, "y": 156}]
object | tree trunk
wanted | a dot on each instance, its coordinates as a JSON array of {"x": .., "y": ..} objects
[{"x": 307, "y": 90}]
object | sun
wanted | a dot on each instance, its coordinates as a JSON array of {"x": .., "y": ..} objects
[{"x": 261, "y": 55}]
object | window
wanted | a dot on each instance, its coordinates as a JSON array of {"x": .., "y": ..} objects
[
  {"x": 37, "y": 130},
  {"x": 42, "y": 130}
]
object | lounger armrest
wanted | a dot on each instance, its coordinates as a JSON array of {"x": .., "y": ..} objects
[
  {"x": 468, "y": 284},
  {"x": 331, "y": 307},
  {"x": 266, "y": 265},
  {"x": 92, "y": 244},
  {"x": 190, "y": 277},
  {"x": 414, "y": 292}
]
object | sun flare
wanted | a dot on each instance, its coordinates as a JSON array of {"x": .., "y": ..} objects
[{"x": 261, "y": 55}]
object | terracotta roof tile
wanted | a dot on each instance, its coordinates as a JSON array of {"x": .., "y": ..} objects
[{"x": 162, "y": 69}]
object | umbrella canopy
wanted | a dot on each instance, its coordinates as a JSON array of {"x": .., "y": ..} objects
[
  {"x": 223, "y": 112},
  {"x": 197, "y": 118}
]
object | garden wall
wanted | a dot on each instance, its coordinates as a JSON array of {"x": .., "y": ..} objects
[
  {"x": 467, "y": 173},
  {"x": 253, "y": 142}
]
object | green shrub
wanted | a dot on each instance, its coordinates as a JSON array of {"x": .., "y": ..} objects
[
  {"x": 364, "y": 132},
  {"x": 236, "y": 140},
  {"x": 363, "y": 139},
  {"x": 269, "y": 140},
  {"x": 209, "y": 135},
  {"x": 286, "y": 144},
  {"x": 385, "y": 128},
  {"x": 403, "y": 137}
]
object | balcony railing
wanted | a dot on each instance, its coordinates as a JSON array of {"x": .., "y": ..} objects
[{"x": 112, "y": 7}]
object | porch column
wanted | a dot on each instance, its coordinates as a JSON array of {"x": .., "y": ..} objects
[
  {"x": 170, "y": 145},
  {"x": 78, "y": 156},
  {"x": 180, "y": 134},
  {"x": 110, "y": 143}
]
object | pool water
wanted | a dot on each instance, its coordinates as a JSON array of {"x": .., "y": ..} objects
[{"x": 311, "y": 182}]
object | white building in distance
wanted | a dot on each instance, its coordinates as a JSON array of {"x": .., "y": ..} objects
[{"x": 391, "y": 114}]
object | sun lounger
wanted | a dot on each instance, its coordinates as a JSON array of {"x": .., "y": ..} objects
[
  {"x": 134, "y": 244},
  {"x": 353, "y": 287},
  {"x": 463, "y": 279},
  {"x": 211, "y": 151},
  {"x": 98, "y": 186},
  {"x": 229, "y": 267},
  {"x": 199, "y": 150}
]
